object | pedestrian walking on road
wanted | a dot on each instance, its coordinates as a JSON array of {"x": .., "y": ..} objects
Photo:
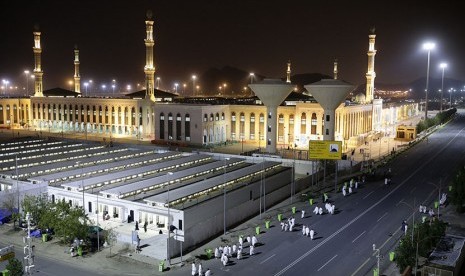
[
  {"x": 145, "y": 226},
  {"x": 208, "y": 272},
  {"x": 137, "y": 226},
  {"x": 217, "y": 253},
  {"x": 200, "y": 269},
  {"x": 194, "y": 269},
  {"x": 251, "y": 250},
  {"x": 303, "y": 229},
  {"x": 248, "y": 239},
  {"x": 315, "y": 211},
  {"x": 320, "y": 211},
  {"x": 385, "y": 181},
  {"x": 240, "y": 240},
  {"x": 303, "y": 214},
  {"x": 282, "y": 226},
  {"x": 312, "y": 233},
  {"x": 307, "y": 231},
  {"x": 254, "y": 240}
]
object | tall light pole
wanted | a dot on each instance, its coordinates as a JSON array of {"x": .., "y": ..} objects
[
  {"x": 90, "y": 84},
  {"x": 427, "y": 46},
  {"x": 439, "y": 187},
  {"x": 158, "y": 82},
  {"x": 442, "y": 66},
  {"x": 450, "y": 97},
  {"x": 252, "y": 75},
  {"x": 79, "y": 164},
  {"x": 377, "y": 256},
  {"x": 86, "y": 84},
  {"x": 169, "y": 215},
  {"x": 224, "y": 196},
  {"x": 113, "y": 87},
  {"x": 26, "y": 72},
  {"x": 413, "y": 213},
  {"x": 104, "y": 87},
  {"x": 176, "y": 87},
  {"x": 194, "y": 77}
]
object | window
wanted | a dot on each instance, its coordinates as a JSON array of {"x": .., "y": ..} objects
[
  {"x": 162, "y": 126},
  {"x": 187, "y": 127},
  {"x": 303, "y": 123}
]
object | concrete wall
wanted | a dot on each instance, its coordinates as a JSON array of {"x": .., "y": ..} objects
[{"x": 205, "y": 220}]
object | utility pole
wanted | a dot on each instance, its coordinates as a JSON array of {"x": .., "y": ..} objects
[
  {"x": 28, "y": 250},
  {"x": 377, "y": 256}
]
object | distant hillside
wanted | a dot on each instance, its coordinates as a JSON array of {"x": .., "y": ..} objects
[
  {"x": 418, "y": 87},
  {"x": 236, "y": 79}
]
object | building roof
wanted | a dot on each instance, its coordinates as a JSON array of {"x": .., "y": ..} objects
[
  {"x": 60, "y": 92},
  {"x": 157, "y": 93},
  {"x": 448, "y": 251}
]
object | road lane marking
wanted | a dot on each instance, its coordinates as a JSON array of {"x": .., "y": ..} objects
[
  {"x": 327, "y": 263},
  {"x": 400, "y": 201},
  {"x": 358, "y": 236},
  {"x": 267, "y": 258},
  {"x": 368, "y": 194},
  {"x": 382, "y": 217},
  {"x": 394, "y": 234},
  {"x": 360, "y": 267},
  {"x": 282, "y": 271}
]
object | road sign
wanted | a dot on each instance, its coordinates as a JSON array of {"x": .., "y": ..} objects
[
  {"x": 325, "y": 150},
  {"x": 7, "y": 256}
]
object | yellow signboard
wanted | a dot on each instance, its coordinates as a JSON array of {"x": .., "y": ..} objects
[
  {"x": 325, "y": 150},
  {"x": 7, "y": 256}
]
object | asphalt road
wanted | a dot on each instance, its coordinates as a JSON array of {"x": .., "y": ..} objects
[
  {"x": 49, "y": 266},
  {"x": 372, "y": 215}
]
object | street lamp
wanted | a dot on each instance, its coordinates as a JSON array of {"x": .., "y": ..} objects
[
  {"x": 442, "y": 66},
  {"x": 79, "y": 164},
  {"x": 252, "y": 75},
  {"x": 439, "y": 187},
  {"x": 184, "y": 88},
  {"x": 224, "y": 88},
  {"x": 377, "y": 256},
  {"x": 158, "y": 82},
  {"x": 193, "y": 84},
  {"x": 86, "y": 84},
  {"x": 413, "y": 213},
  {"x": 70, "y": 82},
  {"x": 450, "y": 98},
  {"x": 104, "y": 87},
  {"x": 90, "y": 84},
  {"x": 169, "y": 224},
  {"x": 176, "y": 87},
  {"x": 427, "y": 46},
  {"x": 224, "y": 196},
  {"x": 27, "y": 81}
]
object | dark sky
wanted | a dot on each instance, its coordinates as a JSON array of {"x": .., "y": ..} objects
[{"x": 255, "y": 36}]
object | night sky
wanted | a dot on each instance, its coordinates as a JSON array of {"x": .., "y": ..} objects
[{"x": 255, "y": 36}]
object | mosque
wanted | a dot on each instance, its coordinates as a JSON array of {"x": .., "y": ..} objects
[
  {"x": 151, "y": 114},
  {"x": 130, "y": 184}
]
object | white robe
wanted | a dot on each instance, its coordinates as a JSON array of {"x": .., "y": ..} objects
[
  {"x": 307, "y": 231},
  {"x": 312, "y": 233},
  {"x": 200, "y": 269},
  {"x": 303, "y": 213},
  {"x": 320, "y": 211},
  {"x": 254, "y": 240},
  {"x": 251, "y": 250},
  {"x": 194, "y": 269}
]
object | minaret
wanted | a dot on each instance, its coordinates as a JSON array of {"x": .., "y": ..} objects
[
  {"x": 288, "y": 79},
  {"x": 77, "y": 77},
  {"x": 149, "y": 68},
  {"x": 38, "y": 73},
  {"x": 335, "y": 69},
  {"x": 371, "y": 75}
]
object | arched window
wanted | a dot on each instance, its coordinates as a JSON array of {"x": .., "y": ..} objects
[
  {"x": 252, "y": 126},
  {"x": 242, "y": 126},
  {"x": 233, "y": 125},
  {"x": 187, "y": 127},
  {"x": 162, "y": 126},
  {"x": 178, "y": 126},
  {"x": 280, "y": 128},
  {"x": 314, "y": 123},
  {"x": 170, "y": 126},
  {"x": 303, "y": 123}
]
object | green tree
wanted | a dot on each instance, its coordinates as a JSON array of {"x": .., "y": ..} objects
[
  {"x": 15, "y": 267},
  {"x": 458, "y": 190},
  {"x": 10, "y": 203},
  {"x": 111, "y": 237}
]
